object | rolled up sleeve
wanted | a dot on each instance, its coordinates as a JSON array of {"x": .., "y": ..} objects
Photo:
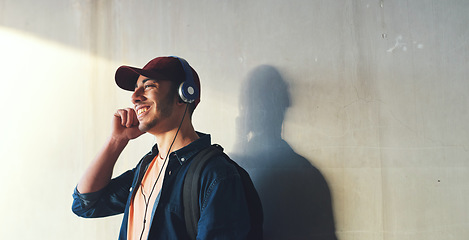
[{"x": 108, "y": 201}]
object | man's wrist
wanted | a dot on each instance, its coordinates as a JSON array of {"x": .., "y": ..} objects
[{"x": 118, "y": 142}]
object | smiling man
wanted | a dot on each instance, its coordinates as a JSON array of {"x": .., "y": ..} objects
[{"x": 150, "y": 195}]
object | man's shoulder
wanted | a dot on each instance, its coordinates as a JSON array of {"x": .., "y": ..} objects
[{"x": 220, "y": 166}]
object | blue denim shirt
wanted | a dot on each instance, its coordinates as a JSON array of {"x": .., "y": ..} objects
[{"x": 223, "y": 208}]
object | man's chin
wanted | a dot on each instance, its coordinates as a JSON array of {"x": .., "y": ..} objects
[
  {"x": 146, "y": 126},
  {"x": 143, "y": 127}
]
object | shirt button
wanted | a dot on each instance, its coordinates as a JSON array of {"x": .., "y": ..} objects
[
  {"x": 169, "y": 173},
  {"x": 183, "y": 159}
]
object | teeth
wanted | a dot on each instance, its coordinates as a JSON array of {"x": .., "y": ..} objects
[{"x": 141, "y": 110}]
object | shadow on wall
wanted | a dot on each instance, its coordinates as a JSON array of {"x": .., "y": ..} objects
[{"x": 294, "y": 194}]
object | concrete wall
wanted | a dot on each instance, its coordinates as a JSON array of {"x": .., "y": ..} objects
[{"x": 364, "y": 99}]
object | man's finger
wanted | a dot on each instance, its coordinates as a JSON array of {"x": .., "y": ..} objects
[
  {"x": 121, "y": 113},
  {"x": 133, "y": 116},
  {"x": 130, "y": 118}
]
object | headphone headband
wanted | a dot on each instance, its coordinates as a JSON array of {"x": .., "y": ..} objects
[{"x": 187, "y": 91}]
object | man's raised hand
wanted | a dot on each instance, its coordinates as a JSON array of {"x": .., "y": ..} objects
[{"x": 125, "y": 124}]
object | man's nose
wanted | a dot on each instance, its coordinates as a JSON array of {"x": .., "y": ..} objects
[{"x": 137, "y": 96}]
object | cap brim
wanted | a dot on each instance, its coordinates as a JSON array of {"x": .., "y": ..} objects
[{"x": 126, "y": 77}]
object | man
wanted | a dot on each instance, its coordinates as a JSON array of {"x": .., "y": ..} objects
[{"x": 150, "y": 194}]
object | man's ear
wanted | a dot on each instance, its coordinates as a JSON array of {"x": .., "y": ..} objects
[{"x": 180, "y": 101}]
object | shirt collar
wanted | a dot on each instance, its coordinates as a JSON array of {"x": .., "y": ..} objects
[{"x": 186, "y": 153}]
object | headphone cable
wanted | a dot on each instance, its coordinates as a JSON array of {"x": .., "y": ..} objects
[{"x": 159, "y": 174}]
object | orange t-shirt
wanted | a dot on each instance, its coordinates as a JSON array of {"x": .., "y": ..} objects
[{"x": 139, "y": 218}]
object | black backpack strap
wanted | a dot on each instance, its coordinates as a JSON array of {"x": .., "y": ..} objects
[
  {"x": 191, "y": 190},
  {"x": 190, "y": 194},
  {"x": 254, "y": 203}
]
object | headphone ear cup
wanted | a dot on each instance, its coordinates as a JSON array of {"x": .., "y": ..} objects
[{"x": 186, "y": 92}]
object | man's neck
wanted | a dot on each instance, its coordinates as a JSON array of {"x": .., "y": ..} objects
[{"x": 185, "y": 136}]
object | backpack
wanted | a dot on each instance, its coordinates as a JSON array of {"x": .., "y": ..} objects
[{"x": 191, "y": 189}]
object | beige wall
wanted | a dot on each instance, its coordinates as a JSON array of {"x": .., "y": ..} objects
[{"x": 377, "y": 90}]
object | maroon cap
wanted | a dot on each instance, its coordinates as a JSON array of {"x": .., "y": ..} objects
[{"x": 160, "y": 68}]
